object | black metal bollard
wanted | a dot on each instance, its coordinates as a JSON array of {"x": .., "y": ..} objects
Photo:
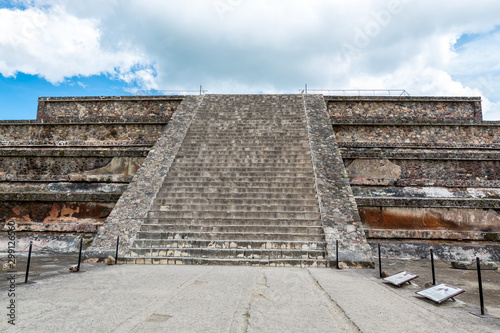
[
  {"x": 28, "y": 265},
  {"x": 432, "y": 265},
  {"x": 337, "y": 253},
  {"x": 80, "y": 255},
  {"x": 117, "y": 244},
  {"x": 379, "y": 262},
  {"x": 481, "y": 300}
]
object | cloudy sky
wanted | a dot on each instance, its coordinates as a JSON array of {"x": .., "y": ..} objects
[{"x": 118, "y": 47}]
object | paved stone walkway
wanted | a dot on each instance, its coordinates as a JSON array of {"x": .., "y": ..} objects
[{"x": 133, "y": 298}]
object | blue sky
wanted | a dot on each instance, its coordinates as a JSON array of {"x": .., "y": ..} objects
[
  {"x": 19, "y": 94},
  {"x": 88, "y": 48}
]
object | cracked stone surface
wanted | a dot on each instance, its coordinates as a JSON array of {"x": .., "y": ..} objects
[
  {"x": 339, "y": 212},
  {"x": 169, "y": 298}
]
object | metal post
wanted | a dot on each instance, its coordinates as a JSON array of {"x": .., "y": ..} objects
[
  {"x": 80, "y": 255},
  {"x": 28, "y": 265},
  {"x": 200, "y": 89},
  {"x": 379, "y": 262},
  {"x": 432, "y": 265},
  {"x": 117, "y": 243},
  {"x": 481, "y": 300},
  {"x": 337, "y": 253},
  {"x": 306, "y": 88}
]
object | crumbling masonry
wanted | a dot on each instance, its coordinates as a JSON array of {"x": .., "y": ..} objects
[{"x": 254, "y": 179}]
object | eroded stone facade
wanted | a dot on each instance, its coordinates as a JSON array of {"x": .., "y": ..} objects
[
  {"x": 403, "y": 109},
  {"x": 424, "y": 170},
  {"x": 418, "y": 169},
  {"x": 62, "y": 174},
  {"x": 131, "y": 108}
]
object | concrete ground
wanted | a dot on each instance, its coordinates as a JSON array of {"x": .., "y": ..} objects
[{"x": 130, "y": 298}]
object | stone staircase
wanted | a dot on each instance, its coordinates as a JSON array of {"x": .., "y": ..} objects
[{"x": 241, "y": 190}]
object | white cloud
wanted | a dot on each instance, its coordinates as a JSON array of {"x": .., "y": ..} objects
[
  {"x": 54, "y": 45},
  {"x": 249, "y": 46}
]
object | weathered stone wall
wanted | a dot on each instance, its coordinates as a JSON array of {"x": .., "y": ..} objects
[
  {"x": 419, "y": 153},
  {"x": 438, "y": 199},
  {"x": 443, "y": 219},
  {"x": 403, "y": 109},
  {"x": 61, "y": 191},
  {"x": 131, "y": 108},
  {"x": 54, "y": 212},
  {"x": 79, "y": 134},
  {"x": 424, "y": 172},
  {"x": 83, "y": 168},
  {"x": 404, "y": 135},
  {"x": 62, "y": 174}
]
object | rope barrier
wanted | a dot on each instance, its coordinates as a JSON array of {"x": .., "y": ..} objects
[{"x": 20, "y": 252}]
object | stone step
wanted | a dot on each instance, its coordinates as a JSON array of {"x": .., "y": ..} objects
[
  {"x": 279, "y": 137},
  {"x": 235, "y": 201},
  {"x": 249, "y": 139},
  {"x": 225, "y": 253},
  {"x": 235, "y": 125},
  {"x": 228, "y": 135},
  {"x": 251, "y": 118},
  {"x": 221, "y": 236},
  {"x": 237, "y": 142},
  {"x": 229, "y": 197},
  {"x": 270, "y": 180},
  {"x": 185, "y": 172},
  {"x": 235, "y": 131},
  {"x": 196, "y": 149},
  {"x": 248, "y": 149},
  {"x": 244, "y": 161},
  {"x": 236, "y": 214},
  {"x": 310, "y": 230},
  {"x": 217, "y": 161},
  {"x": 233, "y": 208},
  {"x": 245, "y": 144},
  {"x": 184, "y": 163},
  {"x": 239, "y": 184},
  {"x": 229, "y": 244},
  {"x": 234, "y": 190},
  {"x": 254, "y": 116},
  {"x": 245, "y": 169},
  {"x": 244, "y": 156},
  {"x": 243, "y": 153},
  {"x": 247, "y": 119},
  {"x": 313, "y": 263},
  {"x": 246, "y": 153},
  {"x": 230, "y": 222}
]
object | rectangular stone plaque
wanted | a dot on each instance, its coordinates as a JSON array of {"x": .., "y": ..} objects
[
  {"x": 440, "y": 293},
  {"x": 400, "y": 278}
]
